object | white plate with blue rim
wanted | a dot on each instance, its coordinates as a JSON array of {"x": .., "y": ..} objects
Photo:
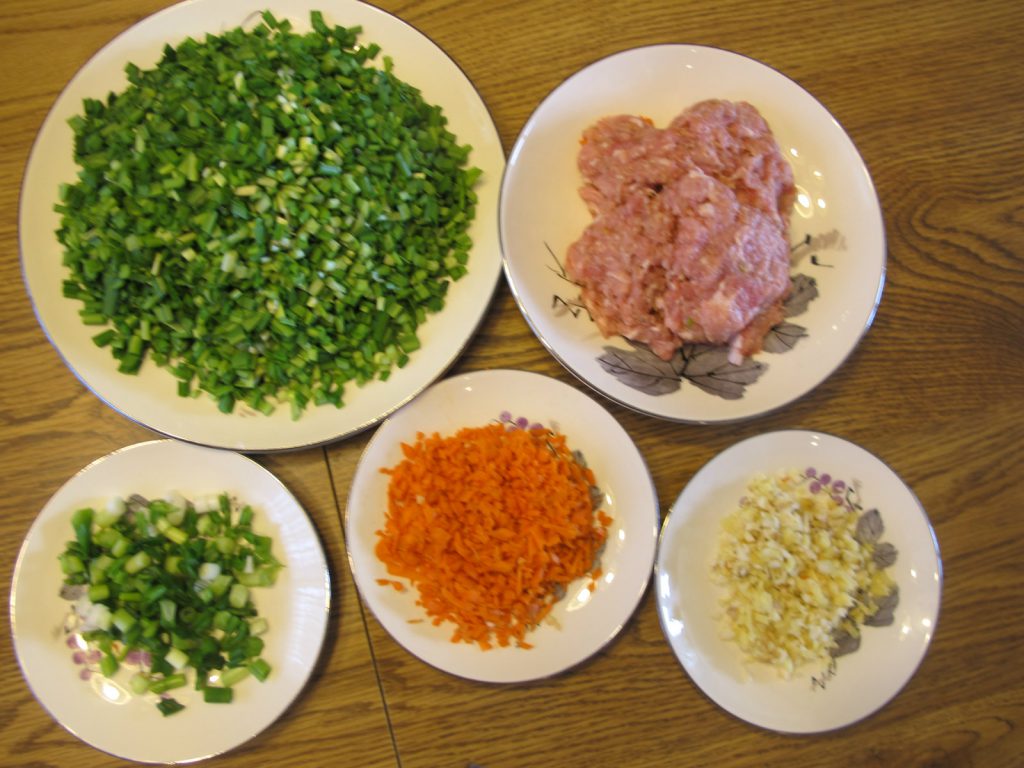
[
  {"x": 102, "y": 711},
  {"x": 150, "y": 398},
  {"x": 591, "y": 614},
  {"x": 848, "y": 686},
  {"x": 836, "y": 233}
]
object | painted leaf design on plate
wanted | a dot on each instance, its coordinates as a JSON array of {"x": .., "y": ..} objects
[
  {"x": 833, "y": 240},
  {"x": 573, "y": 307},
  {"x": 884, "y": 554},
  {"x": 869, "y": 527},
  {"x": 705, "y": 366},
  {"x": 845, "y": 643},
  {"x": 641, "y": 369},
  {"x": 709, "y": 368},
  {"x": 783, "y": 337},
  {"x": 868, "y": 532},
  {"x": 805, "y": 290},
  {"x": 884, "y": 616}
]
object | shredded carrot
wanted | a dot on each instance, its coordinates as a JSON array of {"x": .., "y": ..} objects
[{"x": 491, "y": 525}]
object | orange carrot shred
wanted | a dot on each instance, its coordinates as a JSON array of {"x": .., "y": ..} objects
[
  {"x": 491, "y": 525},
  {"x": 396, "y": 585}
]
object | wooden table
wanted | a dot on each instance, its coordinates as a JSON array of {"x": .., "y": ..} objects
[{"x": 932, "y": 95}]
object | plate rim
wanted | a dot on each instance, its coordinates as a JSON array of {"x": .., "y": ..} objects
[
  {"x": 635, "y": 597},
  {"x": 243, "y": 443},
  {"x": 532, "y": 323},
  {"x": 323, "y": 616},
  {"x": 659, "y": 570}
]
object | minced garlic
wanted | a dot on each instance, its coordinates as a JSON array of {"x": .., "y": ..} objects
[{"x": 794, "y": 569}]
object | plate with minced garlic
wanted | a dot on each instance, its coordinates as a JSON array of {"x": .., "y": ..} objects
[
  {"x": 798, "y": 581},
  {"x": 263, "y": 225}
]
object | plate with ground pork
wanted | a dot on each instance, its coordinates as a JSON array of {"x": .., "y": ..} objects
[
  {"x": 691, "y": 233},
  {"x": 798, "y": 581},
  {"x": 502, "y": 526}
]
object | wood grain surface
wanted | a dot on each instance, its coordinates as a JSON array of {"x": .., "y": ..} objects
[{"x": 932, "y": 93}]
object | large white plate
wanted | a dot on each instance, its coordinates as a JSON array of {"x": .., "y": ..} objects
[
  {"x": 541, "y": 214},
  {"x": 151, "y": 397},
  {"x": 296, "y": 608},
  {"x": 813, "y": 699},
  {"x": 581, "y": 623}
]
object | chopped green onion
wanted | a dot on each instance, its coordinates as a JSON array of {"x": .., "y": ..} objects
[
  {"x": 109, "y": 665},
  {"x": 263, "y": 213},
  {"x": 260, "y": 669},
  {"x": 238, "y": 596},
  {"x": 169, "y": 706},
  {"x": 233, "y": 676},
  {"x": 177, "y": 598},
  {"x": 168, "y": 683},
  {"x": 176, "y": 658},
  {"x": 213, "y": 695},
  {"x": 139, "y": 683}
]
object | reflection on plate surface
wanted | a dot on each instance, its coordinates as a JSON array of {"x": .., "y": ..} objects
[
  {"x": 853, "y": 686},
  {"x": 151, "y": 397},
  {"x": 836, "y": 233},
  {"x": 101, "y": 712},
  {"x": 584, "y": 621}
]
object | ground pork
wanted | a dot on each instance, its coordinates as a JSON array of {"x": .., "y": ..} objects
[{"x": 689, "y": 240}]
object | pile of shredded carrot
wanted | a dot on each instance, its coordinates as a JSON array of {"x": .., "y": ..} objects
[{"x": 491, "y": 525}]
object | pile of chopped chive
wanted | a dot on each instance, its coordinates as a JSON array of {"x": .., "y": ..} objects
[
  {"x": 171, "y": 580},
  {"x": 267, "y": 214}
]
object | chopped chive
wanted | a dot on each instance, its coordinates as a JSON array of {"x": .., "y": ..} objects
[
  {"x": 213, "y": 695},
  {"x": 234, "y": 223},
  {"x": 169, "y": 706},
  {"x": 160, "y": 578}
]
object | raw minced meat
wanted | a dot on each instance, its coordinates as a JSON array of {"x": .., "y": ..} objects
[{"x": 689, "y": 241}]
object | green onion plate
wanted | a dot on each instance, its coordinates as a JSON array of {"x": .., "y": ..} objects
[
  {"x": 271, "y": 238},
  {"x": 107, "y": 710}
]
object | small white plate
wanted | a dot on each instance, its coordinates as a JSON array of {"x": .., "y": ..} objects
[
  {"x": 296, "y": 608},
  {"x": 813, "y": 700},
  {"x": 836, "y": 230},
  {"x": 151, "y": 397},
  {"x": 583, "y": 621}
]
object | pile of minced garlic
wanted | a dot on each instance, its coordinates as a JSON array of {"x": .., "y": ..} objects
[{"x": 794, "y": 570}]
